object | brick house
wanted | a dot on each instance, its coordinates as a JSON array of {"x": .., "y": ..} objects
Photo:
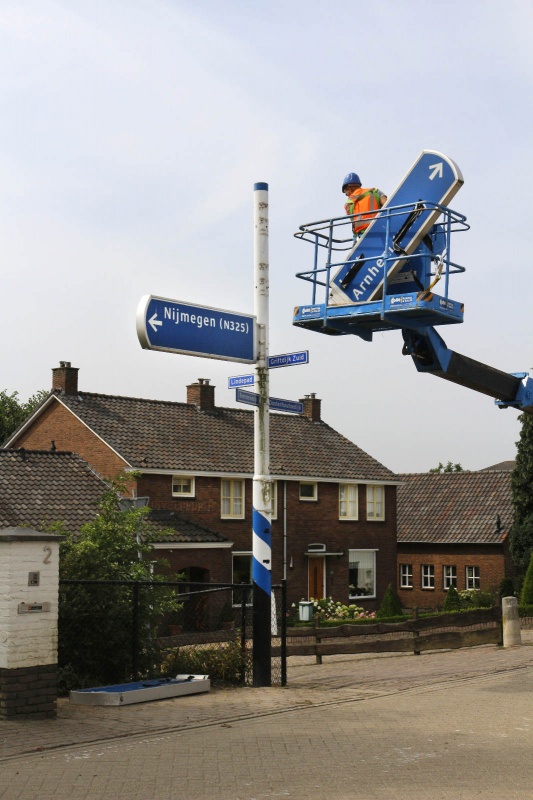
[
  {"x": 452, "y": 530},
  {"x": 334, "y": 506}
]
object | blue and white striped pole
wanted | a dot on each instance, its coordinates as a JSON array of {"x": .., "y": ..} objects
[{"x": 262, "y": 484}]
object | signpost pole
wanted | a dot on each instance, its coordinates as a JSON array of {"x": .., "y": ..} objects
[{"x": 262, "y": 485}]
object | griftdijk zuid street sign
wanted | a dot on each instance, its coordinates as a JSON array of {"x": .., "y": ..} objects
[
  {"x": 288, "y": 359},
  {"x": 284, "y": 360},
  {"x": 274, "y": 403},
  {"x": 173, "y": 326}
]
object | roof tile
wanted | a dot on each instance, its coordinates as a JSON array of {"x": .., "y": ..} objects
[
  {"x": 455, "y": 507},
  {"x": 152, "y": 434}
]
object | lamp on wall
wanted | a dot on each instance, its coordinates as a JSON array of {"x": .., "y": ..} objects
[{"x": 291, "y": 563}]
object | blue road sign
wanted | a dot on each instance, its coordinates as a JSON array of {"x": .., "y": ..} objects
[
  {"x": 242, "y": 396},
  {"x": 288, "y": 359},
  {"x": 290, "y": 406},
  {"x": 173, "y": 326},
  {"x": 274, "y": 403},
  {"x": 433, "y": 179},
  {"x": 240, "y": 380}
]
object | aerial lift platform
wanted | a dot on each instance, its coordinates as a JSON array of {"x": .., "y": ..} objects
[{"x": 384, "y": 280}]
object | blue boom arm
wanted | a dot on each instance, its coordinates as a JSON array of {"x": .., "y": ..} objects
[{"x": 430, "y": 354}]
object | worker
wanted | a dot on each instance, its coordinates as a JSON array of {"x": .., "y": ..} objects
[{"x": 364, "y": 202}]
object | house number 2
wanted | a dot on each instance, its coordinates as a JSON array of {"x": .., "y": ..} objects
[{"x": 48, "y": 554}]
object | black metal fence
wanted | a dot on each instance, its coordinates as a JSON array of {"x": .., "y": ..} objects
[{"x": 116, "y": 631}]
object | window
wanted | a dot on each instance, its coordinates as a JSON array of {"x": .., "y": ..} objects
[
  {"x": 242, "y": 573},
  {"x": 274, "y": 499},
  {"x": 406, "y": 576},
  {"x": 182, "y": 486},
  {"x": 362, "y": 573},
  {"x": 232, "y": 498},
  {"x": 472, "y": 578},
  {"x": 308, "y": 491},
  {"x": 375, "y": 502},
  {"x": 449, "y": 575},
  {"x": 428, "y": 576},
  {"x": 348, "y": 501}
]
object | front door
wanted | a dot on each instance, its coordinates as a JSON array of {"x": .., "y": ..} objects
[{"x": 316, "y": 577}]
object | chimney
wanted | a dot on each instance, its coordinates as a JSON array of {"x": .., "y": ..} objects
[
  {"x": 65, "y": 378},
  {"x": 311, "y": 407},
  {"x": 201, "y": 395}
]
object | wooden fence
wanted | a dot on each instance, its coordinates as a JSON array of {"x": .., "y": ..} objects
[{"x": 449, "y": 631}]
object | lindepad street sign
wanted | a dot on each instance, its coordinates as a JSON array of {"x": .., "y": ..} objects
[
  {"x": 240, "y": 380},
  {"x": 274, "y": 403},
  {"x": 173, "y": 326}
]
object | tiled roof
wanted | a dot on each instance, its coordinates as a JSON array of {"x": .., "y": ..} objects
[
  {"x": 184, "y": 531},
  {"x": 152, "y": 434},
  {"x": 455, "y": 507},
  {"x": 503, "y": 465},
  {"x": 38, "y": 488}
]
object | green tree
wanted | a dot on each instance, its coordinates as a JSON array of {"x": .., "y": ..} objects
[
  {"x": 13, "y": 412},
  {"x": 453, "y": 601},
  {"x": 521, "y": 543},
  {"x": 521, "y": 533},
  {"x": 522, "y": 477},
  {"x": 98, "y": 624},
  {"x": 448, "y": 468},
  {"x": 390, "y": 605}
]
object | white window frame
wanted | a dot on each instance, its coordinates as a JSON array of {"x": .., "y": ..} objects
[
  {"x": 232, "y": 498},
  {"x": 352, "y": 556},
  {"x": 406, "y": 576},
  {"x": 312, "y": 499},
  {"x": 192, "y": 490},
  {"x": 449, "y": 576},
  {"x": 350, "y": 505},
  {"x": 375, "y": 496},
  {"x": 427, "y": 576},
  {"x": 472, "y": 580}
]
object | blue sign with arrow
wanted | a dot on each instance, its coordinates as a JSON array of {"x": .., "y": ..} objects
[
  {"x": 173, "y": 326},
  {"x": 434, "y": 179}
]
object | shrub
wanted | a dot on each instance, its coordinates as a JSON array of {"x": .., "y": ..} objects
[
  {"x": 506, "y": 588},
  {"x": 390, "y": 606},
  {"x": 224, "y": 663},
  {"x": 453, "y": 601},
  {"x": 476, "y": 598},
  {"x": 526, "y": 595}
]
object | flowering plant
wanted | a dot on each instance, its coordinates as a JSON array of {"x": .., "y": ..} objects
[{"x": 329, "y": 609}]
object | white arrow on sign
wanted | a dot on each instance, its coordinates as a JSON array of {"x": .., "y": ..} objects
[
  {"x": 437, "y": 170},
  {"x": 155, "y": 323}
]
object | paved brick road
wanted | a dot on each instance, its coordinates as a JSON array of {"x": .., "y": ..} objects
[{"x": 456, "y": 724}]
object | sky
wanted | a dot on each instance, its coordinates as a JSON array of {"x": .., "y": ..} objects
[{"x": 133, "y": 133}]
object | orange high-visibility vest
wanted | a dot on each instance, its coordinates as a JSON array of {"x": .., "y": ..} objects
[{"x": 365, "y": 202}]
